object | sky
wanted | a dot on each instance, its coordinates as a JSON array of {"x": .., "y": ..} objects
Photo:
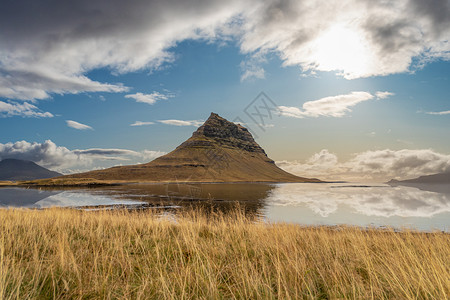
[{"x": 340, "y": 90}]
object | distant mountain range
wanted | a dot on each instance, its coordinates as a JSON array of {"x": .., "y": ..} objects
[
  {"x": 219, "y": 151},
  {"x": 16, "y": 169},
  {"x": 433, "y": 179},
  {"x": 439, "y": 183}
]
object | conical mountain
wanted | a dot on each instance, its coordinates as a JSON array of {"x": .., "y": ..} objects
[
  {"x": 17, "y": 169},
  {"x": 219, "y": 151}
]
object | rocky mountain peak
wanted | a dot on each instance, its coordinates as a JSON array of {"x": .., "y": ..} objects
[
  {"x": 218, "y": 151},
  {"x": 224, "y": 133}
]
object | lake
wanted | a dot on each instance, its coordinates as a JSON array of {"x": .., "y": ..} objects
[{"x": 423, "y": 207}]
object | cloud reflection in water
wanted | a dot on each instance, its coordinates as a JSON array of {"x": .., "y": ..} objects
[{"x": 380, "y": 201}]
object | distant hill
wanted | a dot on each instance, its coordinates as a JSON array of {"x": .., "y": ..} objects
[
  {"x": 430, "y": 179},
  {"x": 438, "y": 183},
  {"x": 16, "y": 169},
  {"x": 219, "y": 151}
]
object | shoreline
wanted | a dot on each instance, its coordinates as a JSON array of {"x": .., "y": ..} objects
[
  {"x": 178, "y": 210},
  {"x": 88, "y": 182}
]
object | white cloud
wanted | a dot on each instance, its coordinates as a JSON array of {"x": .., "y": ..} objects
[
  {"x": 354, "y": 38},
  {"x": 252, "y": 69},
  {"x": 77, "y": 125},
  {"x": 106, "y": 154},
  {"x": 334, "y": 106},
  {"x": 195, "y": 123},
  {"x": 150, "y": 154},
  {"x": 25, "y": 109},
  {"x": 60, "y": 43},
  {"x": 383, "y": 95},
  {"x": 118, "y": 154},
  {"x": 61, "y": 159},
  {"x": 46, "y": 154},
  {"x": 24, "y": 83},
  {"x": 440, "y": 113},
  {"x": 140, "y": 123},
  {"x": 377, "y": 165},
  {"x": 252, "y": 72},
  {"x": 149, "y": 98},
  {"x": 53, "y": 51}
]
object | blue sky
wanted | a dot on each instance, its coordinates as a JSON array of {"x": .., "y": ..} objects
[{"x": 354, "y": 95}]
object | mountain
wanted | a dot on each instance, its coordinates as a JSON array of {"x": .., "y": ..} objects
[
  {"x": 219, "y": 151},
  {"x": 16, "y": 169},
  {"x": 441, "y": 178},
  {"x": 438, "y": 183}
]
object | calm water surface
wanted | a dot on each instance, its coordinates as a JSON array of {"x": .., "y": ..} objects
[{"x": 420, "y": 207}]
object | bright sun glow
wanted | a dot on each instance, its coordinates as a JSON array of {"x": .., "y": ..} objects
[{"x": 344, "y": 49}]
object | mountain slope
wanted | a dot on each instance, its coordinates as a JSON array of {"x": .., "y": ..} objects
[
  {"x": 438, "y": 183},
  {"x": 435, "y": 178},
  {"x": 16, "y": 169},
  {"x": 219, "y": 151}
]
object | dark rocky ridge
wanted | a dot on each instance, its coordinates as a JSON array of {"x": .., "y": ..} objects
[{"x": 224, "y": 133}]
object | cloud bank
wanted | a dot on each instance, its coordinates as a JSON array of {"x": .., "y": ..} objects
[
  {"x": 376, "y": 166},
  {"x": 50, "y": 47},
  {"x": 373, "y": 165},
  {"x": 355, "y": 38},
  {"x": 61, "y": 159}
]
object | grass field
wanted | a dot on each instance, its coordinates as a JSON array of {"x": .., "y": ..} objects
[{"x": 67, "y": 254}]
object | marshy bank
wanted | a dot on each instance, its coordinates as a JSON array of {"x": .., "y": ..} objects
[{"x": 66, "y": 254}]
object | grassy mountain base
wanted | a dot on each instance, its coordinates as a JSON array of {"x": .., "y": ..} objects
[
  {"x": 193, "y": 165},
  {"x": 67, "y": 254}
]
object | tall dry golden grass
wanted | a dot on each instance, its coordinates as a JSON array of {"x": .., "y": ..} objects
[{"x": 66, "y": 254}]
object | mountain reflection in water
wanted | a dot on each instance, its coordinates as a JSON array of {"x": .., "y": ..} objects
[{"x": 309, "y": 204}]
